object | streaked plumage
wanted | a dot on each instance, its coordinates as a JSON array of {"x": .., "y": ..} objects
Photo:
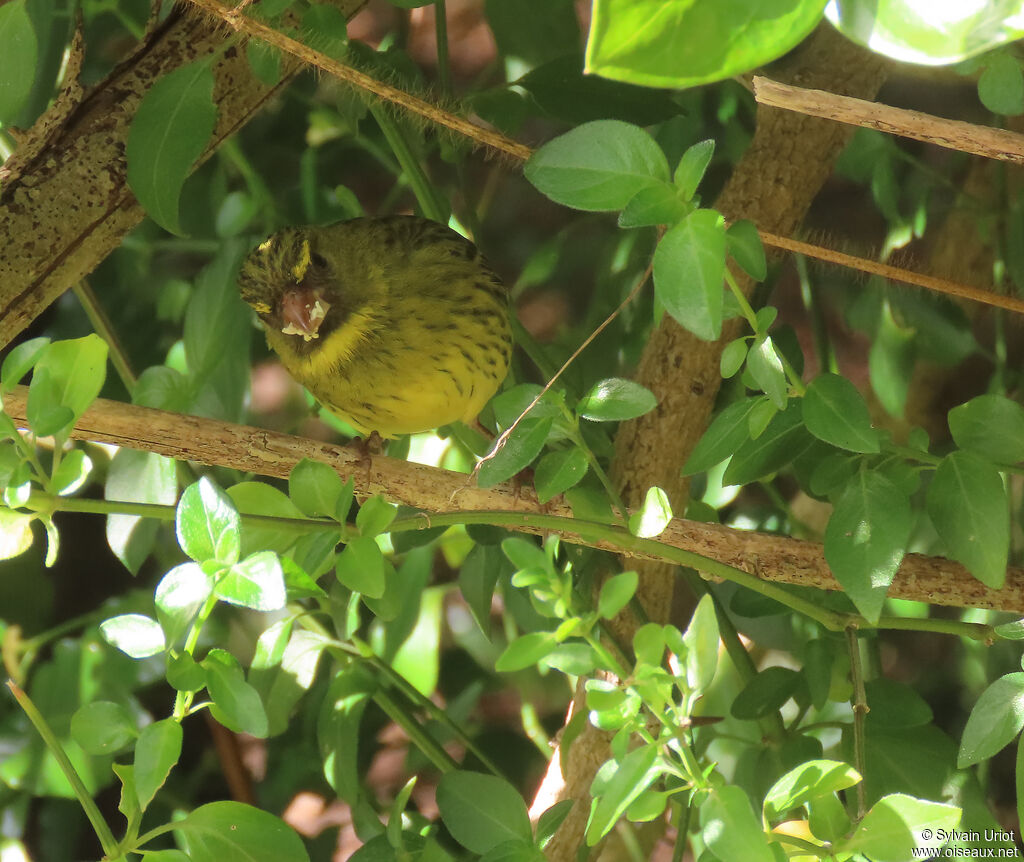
[{"x": 397, "y": 324}]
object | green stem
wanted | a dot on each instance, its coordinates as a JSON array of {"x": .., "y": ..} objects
[
  {"x": 577, "y": 437},
  {"x": 417, "y": 735},
  {"x": 99, "y": 825},
  {"x": 105, "y": 330},
  {"x": 860, "y": 710},
  {"x": 682, "y": 829},
  {"x": 422, "y": 188},
  {"x": 444, "y": 75}
]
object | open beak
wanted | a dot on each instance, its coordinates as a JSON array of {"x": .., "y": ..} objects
[{"x": 303, "y": 310}]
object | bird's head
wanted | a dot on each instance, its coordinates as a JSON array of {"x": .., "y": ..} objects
[{"x": 289, "y": 282}]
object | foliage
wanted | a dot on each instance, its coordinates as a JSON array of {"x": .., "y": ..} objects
[{"x": 316, "y": 623}]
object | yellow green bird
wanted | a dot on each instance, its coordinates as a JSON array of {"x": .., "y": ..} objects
[{"x": 397, "y": 324}]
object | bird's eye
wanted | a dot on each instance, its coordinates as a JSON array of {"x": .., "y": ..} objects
[{"x": 318, "y": 260}]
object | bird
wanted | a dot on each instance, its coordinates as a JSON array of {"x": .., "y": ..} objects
[{"x": 397, "y": 325}]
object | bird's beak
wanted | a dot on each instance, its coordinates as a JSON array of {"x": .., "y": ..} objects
[{"x": 303, "y": 310}]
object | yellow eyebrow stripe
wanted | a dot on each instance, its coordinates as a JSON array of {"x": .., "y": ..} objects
[{"x": 299, "y": 270}]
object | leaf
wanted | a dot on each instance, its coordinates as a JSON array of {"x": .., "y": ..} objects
[
  {"x": 317, "y": 490},
  {"x": 375, "y": 516},
  {"x": 19, "y": 48},
  {"x": 615, "y": 399},
  {"x": 482, "y": 811},
  {"x": 137, "y": 477},
  {"x": 765, "y": 366},
  {"x": 207, "y": 524},
  {"x": 256, "y": 582},
  {"x": 834, "y": 411},
  {"x": 517, "y": 453},
  {"x": 653, "y": 205},
  {"x": 525, "y": 651},
  {"x": 558, "y": 471},
  {"x": 1001, "y": 85},
  {"x": 897, "y": 826},
  {"x": 765, "y": 693},
  {"x": 866, "y": 538},
  {"x": 726, "y": 433},
  {"x": 477, "y": 577},
  {"x": 102, "y": 727},
  {"x": 689, "y": 268},
  {"x": 223, "y": 831},
  {"x": 22, "y": 357},
  {"x": 179, "y": 596},
  {"x": 15, "y": 533},
  {"x": 701, "y": 640},
  {"x": 994, "y": 722},
  {"x": 171, "y": 129},
  {"x": 157, "y": 750},
  {"x": 781, "y": 442},
  {"x": 653, "y": 516},
  {"x": 134, "y": 634},
  {"x": 237, "y": 705},
  {"x": 633, "y": 774},
  {"x": 744, "y": 246},
  {"x": 905, "y": 31},
  {"x": 967, "y": 504},
  {"x": 360, "y": 567},
  {"x": 76, "y": 368},
  {"x": 991, "y": 426},
  {"x": 731, "y": 830},
  {"x": 806, "y": 782},
  {"x": 616, "y": 593},
  {"x": 598, "y": 166},
  {"x": 338, "y": 726},
  {"x": 682, "y": 43}
]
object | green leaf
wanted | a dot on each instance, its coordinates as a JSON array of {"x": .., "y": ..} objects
[
  {"x": 134, "y": 634},
  {"x": 733, "y": 356},
  {"x": 653, "y": 516},
  {"x": 692, "y": 167},
  {"x": 316, "y": 489},
  {"x": 598, "y": 166},
  {"x": 517, "y": 453},
  {"x": 991, "y": 426},
  {"x": 891, "y": 360},
  {"x": 477, "y": 577},
  {"x": 633, "y": 774},
  {"x": 558, "y": 471},
  {"x": 360, "y": 567},
  {"x": 19, "y": 48},
  {"x": 731, "y": 830},
  {"x": 689, "y": 267},
  {"x": 682, "y": 43},
  {"x": 208, "y": 525},
  {"x": 653, "y": 205},
  {"x": 259, "y": 498},
  {"x": 897, "y": 825},
  {"x": 237, "y": 704},
  {"x": 102, "y": 727},
  {"x": 184, "y": 673},
  {"x": 616, "y": 593},
  {"x": 137, "y": 477},
  {"x": 834, "y": 411},
  {"x": 375, "y": 516},
  {"x": 179, "y": 596},
  {"x": 781, "y": 442},
  {"x": 15, "y": 533},
  {"x": 743, "y": 243},
  {"x": 968, "y": 506},
  {"x": 1001, "y": 85},
  {"x": 76, "y": 368},
  {"x": 765, "y": 693},
  {"x": 615, "y": 399},
  {"x": 525, "y": 651},
  {"x": 866, "y": 538},
  {"x": 701, "y": 641},
  {"x": 23, "y": 356},
  {"x": 911, "y": 33},
  {"x": 46, "y": 416},
  {"x": 338, "y": 726},
  {"x": 994, "y": 722},
  {"x": 223, "y": 831},
  {"x": 171, "y": 129},
  {"x": 256, "y": 582},
  {"x": 532, "y": 32},
  {"x": 765, "y": 366},
  {"x": 482, "y": 811},
  {"x": 156, "y": 752},
  {"x": 727, "y": 432},
  {"x": 806, "y": 782},
  {"x": 552, "y": 818},
  {"x": 418, "y": 659}
]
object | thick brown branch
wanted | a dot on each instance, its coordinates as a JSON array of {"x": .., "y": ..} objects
[{"x": 433, "y": 490}]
